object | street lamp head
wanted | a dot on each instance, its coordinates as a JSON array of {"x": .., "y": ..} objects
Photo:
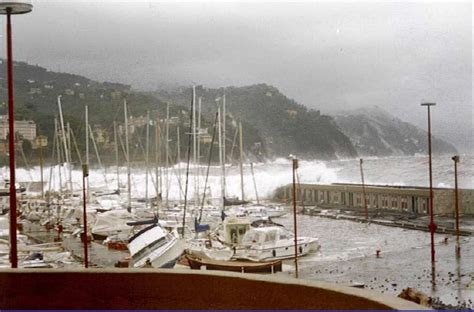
[
  {"x": 15, "y": 6},
  {"x": 428, "y": 104},
  {"x": 455, "y": 158}
]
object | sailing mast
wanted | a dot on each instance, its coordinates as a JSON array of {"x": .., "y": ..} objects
[
  {"x": 193, "y": 129},
  {"x": 117, "y": 156},
  {"x": 241, "y": 160},
  {"x": 198, "y": 169},
  {"x": 223, "y": 143},
  {"x": 147, "y": 147},
  {"x": 87, "y": 144},
  {"x": 178, "y": 160},
  {"x": 190, "y": 137},
  {"x": 58, "y": 148},
  {"x": 129, "y": 203},
  {"x": 157, "y": 163},
  {"x": 63, "y": 131},
  {"x": 167, "y": 128},
  {"x": 220, "y": 157},
  {"x": 69, "y": 154}
]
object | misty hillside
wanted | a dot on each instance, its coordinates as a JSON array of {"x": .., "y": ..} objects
[
  {"x": 374, "y": 132},
  {"x": 273, "y": 124},
  {"x": 285, "y": 126},
  {"x": 37, "y": 89}
]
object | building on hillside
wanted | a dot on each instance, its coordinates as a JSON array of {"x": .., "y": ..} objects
[
  {"x": 35, "y": 91},
  {"x": 25, "y": 128},
  {"x": 116, "y": 95},
  {"x": 135, "y": 122},
  {"x": 174, "y": 120},
  {"x": 40, "y": 141},
  {"x": 100, "y": 135},
  {"x": 205, "y": 138},
  {"x": 291, "y": 113}
]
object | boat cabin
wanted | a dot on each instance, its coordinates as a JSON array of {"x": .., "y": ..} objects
[
  {"x": 235, "y": 229},
  {"x": 266, "y": 235}
]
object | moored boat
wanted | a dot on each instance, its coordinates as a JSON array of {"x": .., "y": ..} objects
[
  {"x": 196, "y": 263},
  {"x": 273, "y": 242}
]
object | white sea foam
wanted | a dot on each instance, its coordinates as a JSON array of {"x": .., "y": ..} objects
[{"x": 270, "y": 175}]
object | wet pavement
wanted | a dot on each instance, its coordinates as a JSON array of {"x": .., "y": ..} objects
[{"x": 348, "y": 256}]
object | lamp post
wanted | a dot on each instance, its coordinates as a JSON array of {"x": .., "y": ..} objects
[
  {"x": 8, "y": 8},
  {"x": 85, "y": 174},
  {"x": 432, "y": 226},
  {"x": 41, "y": 141},
  {"x": 363, "y": 191},
  {"x": 456, "y": 203},
  {"x": 295, "y": 167}
]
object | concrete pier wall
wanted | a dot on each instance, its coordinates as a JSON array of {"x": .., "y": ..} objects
[
  {"x": 397, "y": 198},
  {"x": 179, "y": 289}
]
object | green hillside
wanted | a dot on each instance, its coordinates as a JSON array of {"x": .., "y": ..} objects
[{"x": 285, "y": 126}]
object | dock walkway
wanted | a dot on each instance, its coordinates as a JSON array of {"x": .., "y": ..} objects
[{"x": 445, "y": 225}]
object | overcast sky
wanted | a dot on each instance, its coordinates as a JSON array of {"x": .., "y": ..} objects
[{"x": 324, "y": 54}]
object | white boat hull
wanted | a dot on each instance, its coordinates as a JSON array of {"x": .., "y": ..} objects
[
  {"x": 155, "y": 247},
  {"x": 283, "y": 251}
]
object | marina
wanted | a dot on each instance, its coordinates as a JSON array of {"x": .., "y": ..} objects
[
  {"x": 352, "y": 250},
  {"x": 358, "y": 255},
  {"x": 238, "y": 155}
]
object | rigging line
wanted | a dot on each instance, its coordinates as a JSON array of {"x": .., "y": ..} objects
[
  {"x": 122, "y": 146},
  {"x": 135, "y": 150},
  {"x": 75, "y": 146},
  {"x": 299, "y": 187},
  {"x": 59, "y": 155},
  {"x": 51, "y": 170},
  {"x": 178, "y": 176},
  {"x": 208, "y": 165},
  {"x": 172, "y": 167},
  {"x": 232, "y": 149},
  {"x": 254, "y": 183},
  {"x": 140, "y": 144},
  {"x": 97, "y": 154},
  {"x": 190, "y": 137},
  {"x": 28, "y": 169}
]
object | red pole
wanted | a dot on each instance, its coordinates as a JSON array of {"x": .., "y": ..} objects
[
  {"x": 11, "y": 145},
  {"x": 363, "y": 191},
  {"x": 432, "y": 226},
  {"x": 456, "y": 204},
  {"x": 295, "y": 166},
  {"x": 85, "y": 173}
]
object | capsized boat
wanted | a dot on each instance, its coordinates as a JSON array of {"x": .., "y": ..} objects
[{"x": 154, "y": 246}]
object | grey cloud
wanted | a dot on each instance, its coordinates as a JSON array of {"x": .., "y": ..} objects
[{"x": 327, "y": 55}]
